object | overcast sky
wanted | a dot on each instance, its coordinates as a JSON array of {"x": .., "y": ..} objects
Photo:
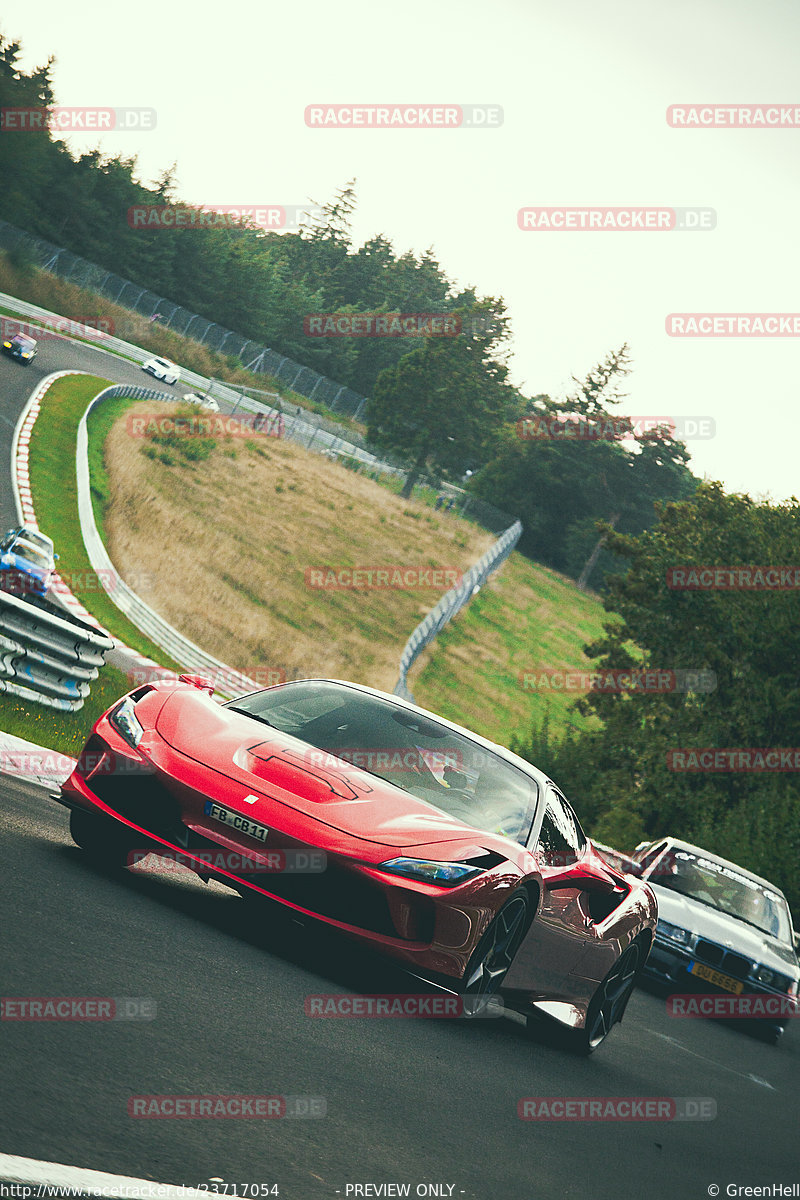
[{"x": 584, "y": 86}]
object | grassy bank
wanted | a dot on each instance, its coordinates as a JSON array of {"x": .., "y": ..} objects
[
  {"x": 55, "y": 500},
  {"x": 489, "y": 668},
  {"x": 228, "y": 540},
  {"x": 62, "y": 731}
]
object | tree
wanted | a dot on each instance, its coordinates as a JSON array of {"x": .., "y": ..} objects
[
  {"x": 441, "y": 406},
  {"x": 573, "y": 469},
  {"x": 747, "y": 641}
]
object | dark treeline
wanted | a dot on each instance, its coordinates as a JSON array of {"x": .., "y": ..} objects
[
  {"x": 261, "y": 284},
  {"x": 591, "y": 505},
  {"x": 442, "y": 403}
]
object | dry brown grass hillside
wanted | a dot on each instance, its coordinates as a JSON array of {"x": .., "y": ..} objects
[{"x": 220, "y": 549}]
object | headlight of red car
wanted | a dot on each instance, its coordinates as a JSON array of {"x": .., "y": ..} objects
[
  {"x": 444, "y": 874},
  {"x": 124, "y": 721}
]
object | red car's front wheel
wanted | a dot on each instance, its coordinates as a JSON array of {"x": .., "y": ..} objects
[
  {"x": 101, "y": 838},
  {"x": 494, "y": 953}
]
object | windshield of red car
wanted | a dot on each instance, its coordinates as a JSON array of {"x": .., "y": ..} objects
[{"x": 408, "y": 749}]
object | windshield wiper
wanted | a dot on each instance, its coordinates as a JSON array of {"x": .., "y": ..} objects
[{"x": 255, "y": 717}]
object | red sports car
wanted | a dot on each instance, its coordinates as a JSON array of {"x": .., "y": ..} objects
[{"x": 437, "y": 848}]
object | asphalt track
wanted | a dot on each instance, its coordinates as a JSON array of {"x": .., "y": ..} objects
[
  {"x": 17, "y": 382},
  {"x": 408, "y": 1102}
]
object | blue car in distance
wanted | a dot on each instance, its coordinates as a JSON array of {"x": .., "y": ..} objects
[
  {"x": 27, "y": 562},
  {"x": 21, "y": 347}
]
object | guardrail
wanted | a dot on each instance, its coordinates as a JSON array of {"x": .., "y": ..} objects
[
  {"x": 306, "y": 428},
  {"x": 46, "y": 658},
  {"x": 227, "y": 681},
  {"x": 452, "y": 602},
  {"x": 255, "y": 357}
]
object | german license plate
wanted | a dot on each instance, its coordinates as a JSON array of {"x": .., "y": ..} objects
[
  {"x": 236, "y": 821},
  {"x": 726, "y": 982}
]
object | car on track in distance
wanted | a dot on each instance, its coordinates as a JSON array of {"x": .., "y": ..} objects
[
  {"x": 27, "y": 562},
  {"x": 721, "y": 931},
  {"x": 163, "y": 369},
  {"x": 21, "y": 347},
  {"x": 203, "y": 401},
  {"x": 438, "y": 849}
]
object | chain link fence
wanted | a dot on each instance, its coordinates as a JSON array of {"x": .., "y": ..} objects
[
  {"x": 312, "y": 430},
  {"x": 253, "y": 356}
]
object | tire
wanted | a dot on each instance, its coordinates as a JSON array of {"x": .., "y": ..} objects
[
  {"x": 606, "y": 1007},
  {"x": 771, "y": 1034},
  {"x": 494, "y": 953},
  {"x": 101, "y": 838}
]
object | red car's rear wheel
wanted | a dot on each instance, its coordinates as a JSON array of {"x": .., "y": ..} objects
[{"x": 606, "y": 1008}]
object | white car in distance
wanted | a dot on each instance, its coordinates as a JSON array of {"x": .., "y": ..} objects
[
  {"x": 163, "y": 369},
  {"x": 204, "y": 401}
]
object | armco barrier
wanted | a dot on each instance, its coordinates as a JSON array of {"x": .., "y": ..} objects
[
  {"x": 300, "y": 425},
  {"x": 47, "y": 658},
  {"x": 451, "y": 602},
  {"x": 253, "y": 356},
  {"x": 228, "y": 682}
]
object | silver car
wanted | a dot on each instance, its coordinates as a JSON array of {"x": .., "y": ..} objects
[{"x": 721, "y": 931}]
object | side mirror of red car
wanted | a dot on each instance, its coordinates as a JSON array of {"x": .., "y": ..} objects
[{"x": 583, "y": 876}]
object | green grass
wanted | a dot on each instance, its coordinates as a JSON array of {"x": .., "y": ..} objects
[
  {"x": 55, "y": 500},
  {"x": 100, "y": 421},
  {"x": 38, "y": 287},
  {"x": 64, "y": 732},
  {"x": 527, "y": 618}
]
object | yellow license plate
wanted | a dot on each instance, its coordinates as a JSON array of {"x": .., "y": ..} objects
[{"x": 726, "y": 982}]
